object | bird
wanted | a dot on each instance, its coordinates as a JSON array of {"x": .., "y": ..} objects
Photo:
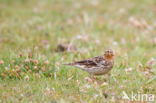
[{"x": 98, "y": 65}]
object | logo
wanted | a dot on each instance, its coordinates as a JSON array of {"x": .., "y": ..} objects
[{"x": 138, "y": 97}]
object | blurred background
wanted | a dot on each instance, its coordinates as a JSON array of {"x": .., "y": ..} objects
[{"x": 91, "y": 24}]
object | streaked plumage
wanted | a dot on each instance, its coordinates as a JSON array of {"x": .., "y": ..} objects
[{"x": 98, "y": 65}]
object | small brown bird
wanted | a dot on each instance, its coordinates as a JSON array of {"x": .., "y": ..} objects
[{"x": 98, "y": 65}]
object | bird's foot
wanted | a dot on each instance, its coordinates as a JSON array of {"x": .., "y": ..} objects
[
  {"x": 94, "y": 79},
  {"x": 98, "y": 82}
]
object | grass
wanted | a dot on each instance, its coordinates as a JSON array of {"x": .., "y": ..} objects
[{"x": 31, "y": 70}]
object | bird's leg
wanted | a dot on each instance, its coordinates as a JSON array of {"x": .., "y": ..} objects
[
  {"x": 94, "y": 79},
  {"x": 107, "y": 76}
]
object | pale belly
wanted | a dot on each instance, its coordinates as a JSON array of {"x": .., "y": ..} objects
[
  {"x": 98, "y": 71},
  {"x": 95, "y": 70}
]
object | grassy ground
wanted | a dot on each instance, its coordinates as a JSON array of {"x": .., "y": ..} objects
[{"x": 30, "y": 69}]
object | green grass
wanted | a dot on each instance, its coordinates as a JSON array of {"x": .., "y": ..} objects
[{"x": 26, "y": 24}]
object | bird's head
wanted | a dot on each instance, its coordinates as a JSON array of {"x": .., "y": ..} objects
[{"x": 108, "y": 54}]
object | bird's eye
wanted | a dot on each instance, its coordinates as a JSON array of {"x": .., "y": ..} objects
[{"x": 109, "y": 51}]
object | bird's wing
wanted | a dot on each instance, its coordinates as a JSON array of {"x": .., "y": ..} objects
[
  {"x": 83, "y": 63},
  {"x": 92, "y": 62},
  {"x": 97, "y": 59},
  {"x": 86, "y": 63},
  {"x": 101, "y": 62}
]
